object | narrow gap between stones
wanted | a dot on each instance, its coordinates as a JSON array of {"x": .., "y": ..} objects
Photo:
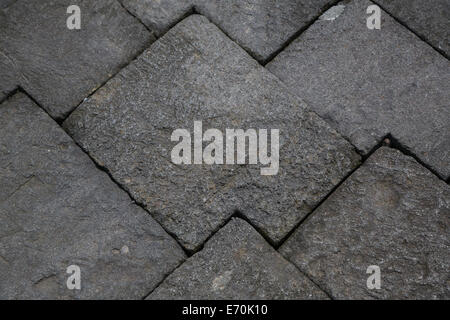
[
  {"x": 394, "y": 143},
  {"x": 439, "y": 51},
  {"x": 194, "y": 11},
  {"x": 105, "y": 170},
  {"x": 299, "y": 32},
  {"x": 137, "y": 18},
  {"x": 383, "y": 142},
  {"x": 388, "y": 141},
  {"x": 10, "y": 94},
  {"x": 329, "y": 295},
  {"x": 126, "y": 64},
  {"x": 119, "y": 69},
  {"x": 163, "y": 278}
]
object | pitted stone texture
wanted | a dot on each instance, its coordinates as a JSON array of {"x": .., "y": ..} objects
[
  {"x": 237, "y": 263},
  {"x": 60, "y": 67},
  {"x": 430, "y": 19},
  {"x": 392, "y": 213},
  {"x": 194, "y": 72},
  {"x": 159, "y": 15},
  {"x": 57, "y": 209},
  {"x": 261, "y": 26},
  {"x": 368, "y": 83}
]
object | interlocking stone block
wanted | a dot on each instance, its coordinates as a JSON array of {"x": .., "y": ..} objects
[
  {"x": 368, "y": 83},
  {"x": 159, "y": 15},
  {"x": 57, "y": 209},
  {"x": 392, "y": 213},
  {"x": 429, "y": 19},
  {"x": 60, "y": 67},
  {"x": 237, "y": 263},
  {"x": 194, "y": 72},
  {"x": 262, "y": 26}
]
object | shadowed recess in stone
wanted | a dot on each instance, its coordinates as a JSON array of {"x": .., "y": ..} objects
[
  {"x": 57, "y": 209},
  {"x": 392, "y": 213},
  {"x": 237, "y": 263},
  {"x": 194, "y": 72},
  {"x": 60, "y": 67},
  {"x": 370, "y": 83}
]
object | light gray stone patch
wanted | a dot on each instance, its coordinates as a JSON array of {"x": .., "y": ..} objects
[
  {"x": 159, "y": 15},
  {"x": 237, "y": 263},
  {"x": 429, "y": 19},
  {"x": 194, "y": 72},
  {"x": 392, "y": 213},
  {"x": 368, "y": 83},
  {"x": 333, "y": 13},
  {"x": 57, "y": 209},
  {"x": 57, "y": 66}
]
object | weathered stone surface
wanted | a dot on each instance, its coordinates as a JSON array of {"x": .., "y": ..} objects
[
  {"x": 193, "y": 73},
  {"x": 262, "y": 26},
  {"x": 430, "y": 19},
  {"x": 159, "y": 15},
  {"x": 237, "y": 263},
  {"x": 368, "y": 83},
  {"x": 57, "y": 209},
  {"x": 8, "y": 76},
  {"x": 60, "y": 67},
  {"x": 6, "y": 3},
  {"x": 392, "y": 213}
]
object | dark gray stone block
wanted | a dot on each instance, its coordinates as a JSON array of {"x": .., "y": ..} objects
[
  {"x": 60, "y": 67},
  {"x": 159, "y": 15},
  {"x": 368, "y": 83},
  {"x": 262, "y": 26},
  {"x": 193, "y": 73},
  {"x": 237, "y": 263},
  {"x": 57, "y": 209},
  {"x": 392, "y": 213},
  {"x": 430, "y": 19}
]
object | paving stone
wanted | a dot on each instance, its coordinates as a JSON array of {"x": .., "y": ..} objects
[
  {"x": 262, "y": 26},
  {"x": 57, "y": 209},
  {"x": 237, "y": 263},
  {"x": 60, "y": 67},
  {"x": 160, "y": 15},
  {"x": 429, "y": 19},
  {"x": 368, "y": 83},
  {"x": 392, "y": 213},
  {"x": 194, "y": 72}
]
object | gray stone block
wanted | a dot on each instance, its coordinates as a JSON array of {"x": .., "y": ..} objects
[
  {"x": 194, "y": 72},
  {"x": 368, "y": 83},
  {"x": 430, "y": 19},
  {"x": 60, "y": 67},
  {"x": 237, "y": 263},
  {"x": 392, "y": 213},
  {"x": 263, "y": 26},
  {"x": 57, "y": 209},
  {"x": 260, "y": 27},
  {"x": 159, "y": 16}
]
